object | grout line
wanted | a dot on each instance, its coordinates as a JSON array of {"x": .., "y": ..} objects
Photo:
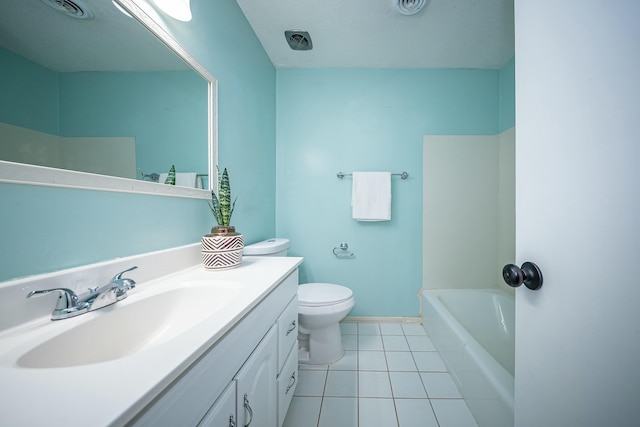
[
  {"x": 324, "y": 390},
  {"x": 357, "y": 377},
  {"x": 393, "y": 399}
]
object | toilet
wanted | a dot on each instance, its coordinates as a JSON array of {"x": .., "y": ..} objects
[{"x": 321, "y": 306}]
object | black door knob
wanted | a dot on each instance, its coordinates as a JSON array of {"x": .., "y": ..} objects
[{"x": 529, "y": 274}]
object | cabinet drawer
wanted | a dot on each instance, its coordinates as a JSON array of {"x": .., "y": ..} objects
[
  {"x": 287, "y": 382},
  {"x": 287, "y": 330}
]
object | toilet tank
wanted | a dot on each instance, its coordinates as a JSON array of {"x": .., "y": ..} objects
[{"x": 269, "y": 247}]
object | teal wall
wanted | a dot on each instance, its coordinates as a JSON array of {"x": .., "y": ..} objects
[
  {"x": 29, "y": 94},
  {"x": 49, "y": 229},
  {"x": 46, "y": 229},
  {"x": 166, "y": 112},
  {"x": 332, "y": 120}
]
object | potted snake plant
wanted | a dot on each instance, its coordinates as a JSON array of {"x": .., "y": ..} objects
[{"x": 222, "y": 248}]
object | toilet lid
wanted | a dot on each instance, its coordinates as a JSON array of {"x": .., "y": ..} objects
[{"x": 319, "y": 294}]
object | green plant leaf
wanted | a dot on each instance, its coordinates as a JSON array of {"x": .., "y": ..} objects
[
  {"x": 215, "y": 208},
  {"x": 171, "y": 177},
  {"x": 224, "y": 193},
  {"x": 221, "y": 205},
  {"x": 233, "y": 206}
]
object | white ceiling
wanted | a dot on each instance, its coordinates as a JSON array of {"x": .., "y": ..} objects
[
  {"x": 373, "y": 34},
  {"x": 109, "y": 42}
]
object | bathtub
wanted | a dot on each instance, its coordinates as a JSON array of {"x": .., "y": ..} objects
[{"x": 473, "y": 330}]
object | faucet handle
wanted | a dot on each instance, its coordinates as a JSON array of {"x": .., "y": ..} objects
[
  {"x": 68, "y": 303},
  {"x": 124, "y": 283},
  {"x": 66, "y": 299},
  {"x": 119, "y": 275}
]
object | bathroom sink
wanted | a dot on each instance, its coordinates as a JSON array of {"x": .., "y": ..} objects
[{"x": 129, "y": 327}]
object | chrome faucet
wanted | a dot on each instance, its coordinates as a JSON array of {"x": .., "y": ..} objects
[{"x": 70, "y": 305}]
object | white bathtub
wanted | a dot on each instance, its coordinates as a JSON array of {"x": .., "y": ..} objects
[{"x": 473, "y": 331}]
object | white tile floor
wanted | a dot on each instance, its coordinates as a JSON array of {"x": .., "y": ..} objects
[{"x": 390, "y": 376}]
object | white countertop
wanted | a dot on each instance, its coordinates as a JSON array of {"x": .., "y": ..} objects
[{"x": 112, "y": 392}]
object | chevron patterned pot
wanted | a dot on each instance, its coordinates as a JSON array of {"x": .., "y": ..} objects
[{"x": 222, "y": 249}]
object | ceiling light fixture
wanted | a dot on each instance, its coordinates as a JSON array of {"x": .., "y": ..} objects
[
  {"x": 411, "y": 7},
  {"x": 177, "y": 9},
  {"x": 121, "y": 9}
]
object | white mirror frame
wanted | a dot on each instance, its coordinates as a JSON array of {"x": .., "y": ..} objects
[{"x": 20, "y": 173}]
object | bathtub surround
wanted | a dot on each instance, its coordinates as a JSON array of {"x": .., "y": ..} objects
[
  {"x": 469, "y": 210},
  {"x": 113, "y": 156},
  {"x": 506, "y": 204}
]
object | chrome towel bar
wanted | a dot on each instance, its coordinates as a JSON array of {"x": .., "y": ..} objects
[{"x": 403, "y": 175}]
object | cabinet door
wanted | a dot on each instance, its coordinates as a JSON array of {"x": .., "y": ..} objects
[
  {"x": 223, "y": 411},
  {"x": 256, "y": 401}
]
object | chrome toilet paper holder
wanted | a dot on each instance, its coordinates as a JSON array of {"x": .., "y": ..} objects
[{"x": 343, "y": 247}]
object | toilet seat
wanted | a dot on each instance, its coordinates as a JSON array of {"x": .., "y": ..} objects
[{"x": 322, "y": 294}]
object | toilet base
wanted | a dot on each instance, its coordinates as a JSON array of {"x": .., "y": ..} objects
[{"x": 321, "y": 346}]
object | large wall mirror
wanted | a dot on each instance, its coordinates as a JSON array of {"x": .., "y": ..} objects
[{"x": 102, "y": 100}]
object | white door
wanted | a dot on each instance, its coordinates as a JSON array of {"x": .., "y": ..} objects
[{"x": 578, "y": 212}]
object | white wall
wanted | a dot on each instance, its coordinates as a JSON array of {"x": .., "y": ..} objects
[{"x": 468, "y": 210}]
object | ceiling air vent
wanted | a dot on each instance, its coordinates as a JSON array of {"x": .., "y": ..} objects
[
  {"x": 411, "y": 7},
  {"x": 298, "y": 40},
  {"x": 73, "y": 9}
]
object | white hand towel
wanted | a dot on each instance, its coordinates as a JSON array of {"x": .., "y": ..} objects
[
  {"x": 183, "y": 179},
  {"x": 371, "y": 196}
]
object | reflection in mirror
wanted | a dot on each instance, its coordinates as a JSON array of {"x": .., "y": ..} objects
[{"x": 101, "y": 95}]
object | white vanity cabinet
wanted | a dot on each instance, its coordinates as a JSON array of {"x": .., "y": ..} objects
[{"x": 243, "y": 378}]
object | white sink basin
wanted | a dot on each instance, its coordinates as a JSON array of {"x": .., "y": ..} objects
[{"x": 129, "y": 327}]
